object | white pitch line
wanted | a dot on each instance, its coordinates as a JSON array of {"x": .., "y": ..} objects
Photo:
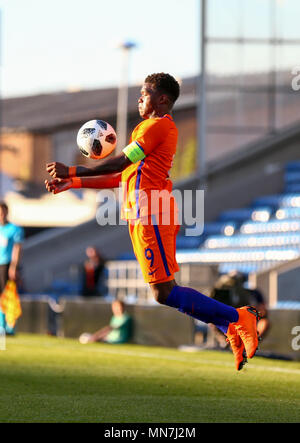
[
  {"x": 171, "y": 358},
  {"x": 184, "y": 360}
]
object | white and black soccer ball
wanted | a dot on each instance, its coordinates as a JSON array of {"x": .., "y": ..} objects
[
  {"x": 96, "y": 139},
  {"x": 84, "y": 338}
]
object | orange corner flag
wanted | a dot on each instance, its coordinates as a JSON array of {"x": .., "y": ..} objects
[{"x": 10, "y": 303}]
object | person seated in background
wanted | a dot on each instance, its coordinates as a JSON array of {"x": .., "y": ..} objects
[
  {"x": 230, "y": 289},
  {"x": 118, "y": 331},
  {"x": 92, "y": 273}
]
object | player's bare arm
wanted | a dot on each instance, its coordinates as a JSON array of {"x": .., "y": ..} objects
[
  {"x": 15, "y": 259},
  {"x": 110, "y": 166},
  {"x": 58, "y": 185}
]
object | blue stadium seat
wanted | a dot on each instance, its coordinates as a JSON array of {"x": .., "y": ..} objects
[
  {"x": 239, "y": 216},
  {"x": 245, "y": 268},
  {"x": 288, "y": 213},
  {"x": 290, "y": 200},
  {"x": 252, "y": 241},
  {"x": 292, "y": 177},
  {"x": 236, "y": 215},
  {"x": 126, "y": 256},
  {"x": 293, "y": 166},
  {"x": 289, "y": 225},
  {"x": 219, "y": 227},
  {"x": 292, "y": 187},
  {"x": 183, "y": 242},
  {"x": 240, "y": 255},
  {"x": 275, "y": 201},
  {"x": 268, "y": 200}
]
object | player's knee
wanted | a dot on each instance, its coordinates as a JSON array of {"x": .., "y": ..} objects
[
  {"x": 161, "y": 291},
  {"x": 159, "y": 295}
]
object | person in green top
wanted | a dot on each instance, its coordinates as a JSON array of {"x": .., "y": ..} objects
[{"x": 119, "y": 329}]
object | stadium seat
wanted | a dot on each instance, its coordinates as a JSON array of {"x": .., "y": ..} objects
[
  {"x": 183, "y": 242},
  {"x": 292, "y": 187},
  {"x": 293, "y": 166},
  {"x": 241, "y": 255},
  {"x": 289, "y": 225},
  {"x": 250, "y": 239},
  {"x": 219, "y": 227},
  {"x": 291, "y": 200},
  {"x": 236, "y": 215},
  {"x": 292, "y": 177},
  {"x": 287, "y": 213},
  {"x": 126, "y": 256}
]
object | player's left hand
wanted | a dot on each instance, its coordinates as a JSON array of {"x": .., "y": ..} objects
[
  {"x": 58, "y": 185},
  {"x": 57, "y": 170}
]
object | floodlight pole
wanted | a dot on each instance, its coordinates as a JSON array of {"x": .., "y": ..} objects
[
  {"x": 123, "y": 96},
  {"x": 201, "y": 105}
]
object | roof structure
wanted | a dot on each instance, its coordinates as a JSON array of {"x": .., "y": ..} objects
[{"x": 46, "y": 112}]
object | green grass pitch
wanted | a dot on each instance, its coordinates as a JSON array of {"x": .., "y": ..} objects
[{"x": 47, "y": 379}]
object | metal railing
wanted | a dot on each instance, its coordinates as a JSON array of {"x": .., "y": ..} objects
[{"x": 125, "y": 280}]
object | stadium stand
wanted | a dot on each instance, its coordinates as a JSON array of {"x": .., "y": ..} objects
[
  {"x": 238, "y": 181},
  {"x": 254, "y": 238}
]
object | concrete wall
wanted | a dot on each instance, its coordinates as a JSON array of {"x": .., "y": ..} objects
[
  {"x": 280, "y": 338},
  {"x": 154, "y": 325},
  {"x": 280, "y": 283}
]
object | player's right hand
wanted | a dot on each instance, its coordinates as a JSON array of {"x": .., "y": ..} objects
[
  {"x": 57, "y": 170},
  {"x": 58, "y": 185}
]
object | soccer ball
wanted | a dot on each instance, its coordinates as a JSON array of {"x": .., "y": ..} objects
[
  {"x": 84, "y": 338},
  {"x": 96, "y": 139}
]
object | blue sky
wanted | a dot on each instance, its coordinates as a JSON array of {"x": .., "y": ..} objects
[
  {"x": 53, "y": 45},
  {"x": 58, "y": 44}
]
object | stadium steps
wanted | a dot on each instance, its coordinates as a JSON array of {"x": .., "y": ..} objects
[
  {"x": 260, "y": 237},
  {"x": 57, "y": 254}
]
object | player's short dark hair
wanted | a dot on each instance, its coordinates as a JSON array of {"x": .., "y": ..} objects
[
  {"x": 166, "y": 84},
  {"x": 3, "y": 205}
]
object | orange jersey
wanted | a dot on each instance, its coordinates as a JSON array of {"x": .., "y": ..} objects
[{"x": 155, "y": 140}]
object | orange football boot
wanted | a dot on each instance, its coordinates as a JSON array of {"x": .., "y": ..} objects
[
  {"x": 246, "y": 328},
  {"x": 237, "y": 347}
]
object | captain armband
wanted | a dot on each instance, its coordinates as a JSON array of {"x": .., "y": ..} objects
[{"x": 134, "y": 152}]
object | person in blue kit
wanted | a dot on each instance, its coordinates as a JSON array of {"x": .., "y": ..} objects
[{"x": 11, "y": 238}]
